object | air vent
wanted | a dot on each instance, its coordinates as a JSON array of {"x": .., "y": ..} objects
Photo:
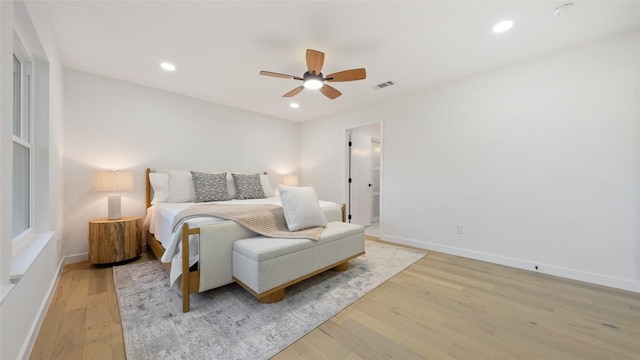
[{"x": 384, "y": 85}]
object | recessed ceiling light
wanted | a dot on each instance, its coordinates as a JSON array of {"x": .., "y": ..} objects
[
  {"x": 503, "y": 26},
  {"x": 168, "y": 66},
  {"x": 294, "y": 105}
]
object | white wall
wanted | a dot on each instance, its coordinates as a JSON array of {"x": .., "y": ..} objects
[
  {"x": 114, "y": 124},
  {"x": 23, "y": 308},
  {"x": 538, "y": 161}
]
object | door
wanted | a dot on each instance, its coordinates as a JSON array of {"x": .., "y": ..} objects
[
  {"x": 376, "y": 152},
  {"x": 360, "y": 179}
]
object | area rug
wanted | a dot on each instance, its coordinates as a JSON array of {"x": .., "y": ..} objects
[{"x": 229, "y": 323}]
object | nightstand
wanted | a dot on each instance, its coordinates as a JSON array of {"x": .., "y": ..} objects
[{"x": 117, "y": 240}]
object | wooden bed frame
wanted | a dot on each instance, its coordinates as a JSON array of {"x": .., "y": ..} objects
[{"x": 189, "y": 282}]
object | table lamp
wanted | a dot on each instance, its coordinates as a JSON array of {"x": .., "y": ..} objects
[
  {"x": 290, "y": 180},
  {"x": 114, "y": 181}
]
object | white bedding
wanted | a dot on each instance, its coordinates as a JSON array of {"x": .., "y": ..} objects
[{"x": 160, "y": 217}]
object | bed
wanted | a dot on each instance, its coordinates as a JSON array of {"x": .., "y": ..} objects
[{"x": 197, "y": 253}]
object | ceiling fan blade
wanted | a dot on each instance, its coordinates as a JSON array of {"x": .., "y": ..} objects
[
  {"x": 348, "y": 75},
  {"x": 315, "y": 60},
  {"x": 330, "y": 91},
  {"x": 278, "y": 75},
  {"x": 294, "y": 92}
]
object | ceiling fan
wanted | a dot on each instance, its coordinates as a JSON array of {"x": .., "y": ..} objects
[{"x": 313, "y": 78}]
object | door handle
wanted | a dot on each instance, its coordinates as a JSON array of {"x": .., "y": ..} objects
[{"x": 370, "y": 185}]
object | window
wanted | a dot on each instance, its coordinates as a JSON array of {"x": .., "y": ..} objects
[
  {"x": 22, "y": 222},
  {"x": 26, "y": 138}
]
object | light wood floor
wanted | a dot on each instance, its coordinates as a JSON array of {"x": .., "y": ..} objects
[{"x": 441, "y": 307}]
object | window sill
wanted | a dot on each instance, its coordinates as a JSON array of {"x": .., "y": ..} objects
[
  {"x": 4, "y": 291},
  {"x": 23, "y": 260}
]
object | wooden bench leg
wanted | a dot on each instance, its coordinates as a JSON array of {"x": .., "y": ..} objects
[
  {"x": 342, "y": 267},
  {"x": 274, "y": 297}
]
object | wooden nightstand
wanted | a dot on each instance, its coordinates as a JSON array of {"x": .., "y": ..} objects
[{"x": 112, "y": 241}]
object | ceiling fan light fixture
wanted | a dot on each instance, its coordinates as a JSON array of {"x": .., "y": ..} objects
[
  {"x": 313, "y": 84},
  {"x": 312, "y": 81}
]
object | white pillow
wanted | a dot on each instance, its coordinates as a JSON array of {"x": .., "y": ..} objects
[
  {"x": 181, "y": 187},
  {"x": 301, "y": 207},
  {"x": 160, "y": 184},
  {"x": 266, "y": 186}
]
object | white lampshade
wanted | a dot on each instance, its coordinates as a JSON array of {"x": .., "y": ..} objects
[
  {"x": 114, "y": 181},
  {"x": 290, "y": 180}
]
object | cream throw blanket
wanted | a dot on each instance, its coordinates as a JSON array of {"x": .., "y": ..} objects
[{"x": 266, "y": 220}]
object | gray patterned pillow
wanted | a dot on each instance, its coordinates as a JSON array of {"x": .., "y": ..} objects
[
  {"x": 248, "y": 186},
  {"x": 210, "y": 187}
]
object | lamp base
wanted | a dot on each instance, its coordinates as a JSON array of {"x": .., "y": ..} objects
[{"x": 114, "y": 207}]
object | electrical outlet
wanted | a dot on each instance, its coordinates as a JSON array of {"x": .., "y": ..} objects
[
  {"x": 63, "y": 246},
  {"x": 459, "y": 229}
]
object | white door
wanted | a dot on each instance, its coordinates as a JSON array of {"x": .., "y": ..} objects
[
  {"x": 376, "y": 152},
  {"x": 360, "y": 179}
]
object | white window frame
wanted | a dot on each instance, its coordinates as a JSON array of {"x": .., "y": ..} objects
[
  {"x": 19, "y": 253},
  {"x": 26, "y": 136}
]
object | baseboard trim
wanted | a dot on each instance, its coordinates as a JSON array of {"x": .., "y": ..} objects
[
  {"x": 72, "y": 259},
  {"x": 593, "y": 278},
  {"x": 35, "y": 328}
]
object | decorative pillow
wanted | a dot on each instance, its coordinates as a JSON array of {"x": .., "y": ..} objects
[
  {"x": 210, "y": 187},
  {"x": 248, "y": 186},
  {"x": 181, "y": 186},
  {"x": 160, "y": 184},
  {"x": 266, "y": 186},
  {"x": 301, "y": 207},
  {"x": 231, "y": 187}
]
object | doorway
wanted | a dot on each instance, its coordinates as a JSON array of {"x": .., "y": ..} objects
[{"x": 364, "y": 174}]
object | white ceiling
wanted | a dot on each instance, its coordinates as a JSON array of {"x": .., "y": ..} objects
[{"x": 220, "y": 47}]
